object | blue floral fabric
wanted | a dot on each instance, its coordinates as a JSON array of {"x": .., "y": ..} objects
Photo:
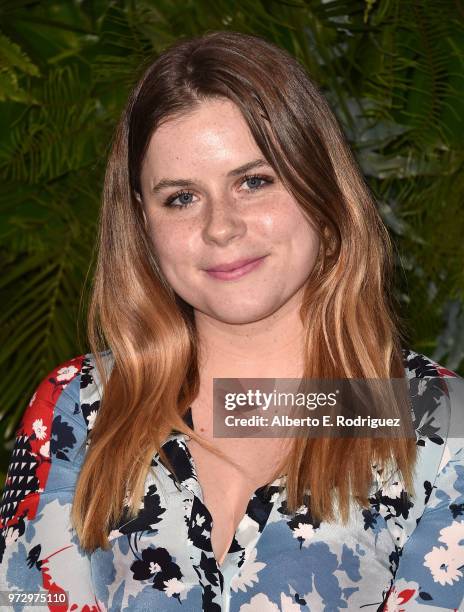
[{"x": 404, "y": 552}]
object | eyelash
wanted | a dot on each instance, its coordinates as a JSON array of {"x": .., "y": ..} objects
[{"x": 169, "y": 201}]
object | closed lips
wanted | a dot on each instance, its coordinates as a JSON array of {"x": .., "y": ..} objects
[{"x": 234, "y": 265}]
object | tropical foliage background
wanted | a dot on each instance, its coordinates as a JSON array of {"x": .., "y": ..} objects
[{"x": 391, "y": 69}]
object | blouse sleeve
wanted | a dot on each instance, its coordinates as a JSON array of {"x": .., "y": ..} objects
[
  {"x": 39, "y": 550},
  {"x": 430, "y": 573}
]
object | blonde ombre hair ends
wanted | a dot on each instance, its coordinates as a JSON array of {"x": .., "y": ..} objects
[{"x": 351, "y": 326}]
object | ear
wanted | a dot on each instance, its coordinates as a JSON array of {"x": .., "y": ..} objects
[{"x": 138, "y": 197}]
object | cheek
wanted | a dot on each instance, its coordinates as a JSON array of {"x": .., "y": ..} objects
[
  {"x": 174, "y": 246},
  {"x": 286, "y": 225},
  {"x": 304, "y": 250},
  {"x": 303, "y": 244},
  {"x": 161, "y": 241}
]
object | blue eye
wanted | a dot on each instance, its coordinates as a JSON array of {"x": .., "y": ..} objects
[
  {"x": 183, "y": 199},
  {"x": 257, "y": 182},
  {"x": 256, "y": 179}
]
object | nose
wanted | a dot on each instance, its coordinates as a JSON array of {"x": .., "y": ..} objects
[{"x": 223, "y": 222}]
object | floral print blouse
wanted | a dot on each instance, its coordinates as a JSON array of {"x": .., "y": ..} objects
[{"x": 399, "y": 554}]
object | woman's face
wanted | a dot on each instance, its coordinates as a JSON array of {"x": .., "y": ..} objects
[{"x": 211, "y": 199}]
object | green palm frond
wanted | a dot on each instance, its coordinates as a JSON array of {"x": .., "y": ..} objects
[
  {"x": 55, "y": 134},
  {"x": 13, "y": 64}
]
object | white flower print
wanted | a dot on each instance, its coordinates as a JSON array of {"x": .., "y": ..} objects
[
  {"x": 452, "y": 536},
  {"x": 421, "y": 386},
  {"x": 248, "y": 573},
  {"x": 259, "y": 603},
  {"x": 92, "y": 417},
  {"x": 66, "y": 374},
  {"x": 39, "y": 429},
  {"x": 11, "y": 536},
  {"x": 65, "y": 567},
  {"x": 288, "y": 605},
  {"x": 45, "y": 449},
  {"x": 393, "y": 490},
  {"x": 154, "y": 567},
  {"x": 304, "y": 531},
  {"x": 444, "y": 564},
  {"x": 199, "y": 520},
  {"x": 174, "y": 587}
]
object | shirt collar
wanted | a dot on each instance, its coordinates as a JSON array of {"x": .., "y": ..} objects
[
  {"x": 179, "y": 455},
  {"x": 182, "y": 461}
]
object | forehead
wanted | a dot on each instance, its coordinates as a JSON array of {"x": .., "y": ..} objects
[{"x": 213, "y": 132}]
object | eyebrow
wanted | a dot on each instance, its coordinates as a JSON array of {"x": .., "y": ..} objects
[{"x": 164, "y": 183}]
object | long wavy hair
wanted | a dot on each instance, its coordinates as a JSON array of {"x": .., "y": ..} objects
[{"x": 351, "y": 326}]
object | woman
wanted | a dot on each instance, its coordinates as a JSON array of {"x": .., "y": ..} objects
[{"x": 237, "y": 238}]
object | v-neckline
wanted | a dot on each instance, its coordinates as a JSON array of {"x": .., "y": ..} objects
[
  {"x": 258, "y": 494},
  {"x": 185, "y": 464}
]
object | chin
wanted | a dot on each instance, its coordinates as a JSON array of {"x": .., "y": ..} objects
[{"x": 239, "y": 314}]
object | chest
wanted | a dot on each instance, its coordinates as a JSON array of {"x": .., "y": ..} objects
[{"x": 227, "y": 489}]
